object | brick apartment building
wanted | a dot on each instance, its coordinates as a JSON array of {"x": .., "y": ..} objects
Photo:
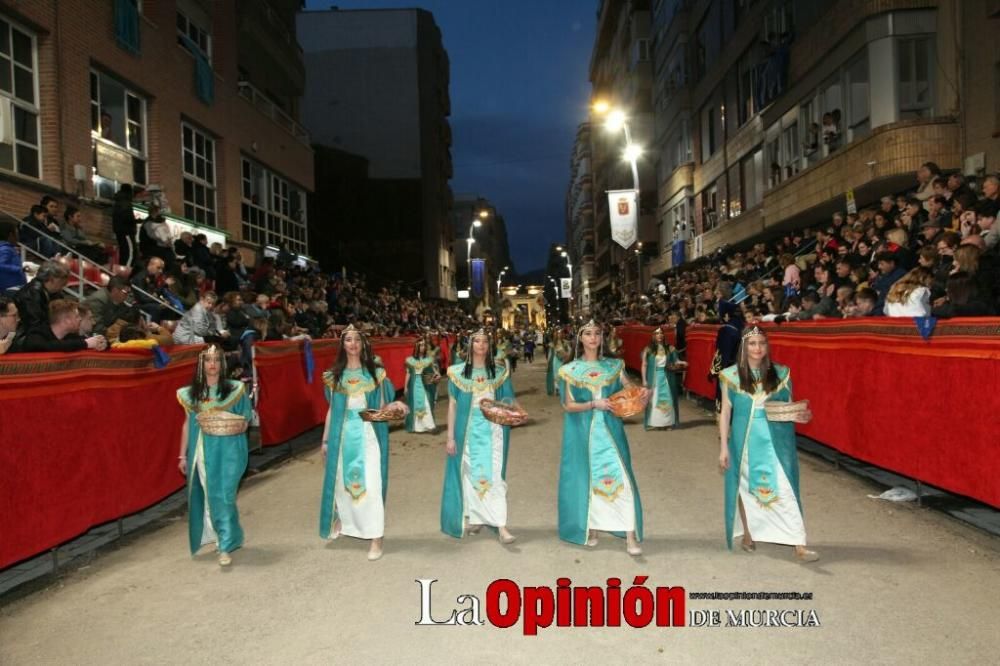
[
  {"x": 741, "y": 92},
  {"x": 196, "y": 98}
]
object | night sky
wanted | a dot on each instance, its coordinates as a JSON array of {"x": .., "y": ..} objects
[{"x": 519, "y": 88}]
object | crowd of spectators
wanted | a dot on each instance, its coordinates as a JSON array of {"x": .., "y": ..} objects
[{"x": 933, "y": 251}]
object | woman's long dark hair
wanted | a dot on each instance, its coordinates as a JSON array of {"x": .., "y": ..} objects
[
  {"x": 416, "y": 347},
  {"x": 578, "y": 347},
  {"x": 768, "y": 375},
  {"x": 200, "y": 390},
  {"x": 367, "y": 360},
  {"x": 490, "y": 363}
]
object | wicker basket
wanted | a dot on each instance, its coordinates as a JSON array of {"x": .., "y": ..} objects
[
  {"x": 779, "y": 410},
  {"x": 387, "y": 413},
  {"x": 627, "y": 402},
  {"x": 679, "y": 366},
  {"x": 503, "y": 413},
  {"x": 221, "y": 424}
]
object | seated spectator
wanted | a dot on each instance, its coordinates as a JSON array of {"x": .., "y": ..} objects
[
  {"x": 72, "y": 235},
  {"x": 910, "y": 296},
  {"x": 225, "y": 275},
  {"x": 962, "y": 299},
  {"x": 237, "y": 320},
  {"x": 957, "y": 185},
  {"x": 199, "y": 322},
  {"x": 258, "y": 306},
  {"x": 60, "y": 333},
  {"x": 865, "y": 302},
  {"x": 926, "y": 174},
  {"x": 991, "y": 188},
  {"x": 8, "y": 323},
  {"x": 845, "y": 299},
  {"x": 155, "y": 238},
  {"x": 929, "y": 232},
  {"x": 111, "y": 304},
  {"x": 202, "y": 257},
  {"x": 33, "y": 300},
  {"x": 889, "y": 273},
  {"x": 147, "y": 283},
  {"x": 938, "y": 211},
  {"x": 11, "y": 269},
  {"x": 183, "y": 249},
  {"x": 37, "y": 233},
  {"x": 986, "y": 215}
]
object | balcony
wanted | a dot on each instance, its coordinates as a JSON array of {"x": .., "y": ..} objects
[{"x": 259, "y": 101}]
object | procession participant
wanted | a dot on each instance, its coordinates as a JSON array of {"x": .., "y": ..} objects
[
  {"x": 433, "y": 372},
  {"x": 659, "y": 363},
  {"x": 727, "y": 342},
  {"x": 356, "y": 451},
  {"x": 597, "y": 489},
  {"x": 558, "y": 353},
  {"x": 475, "y": 479},
  {"x": 217, "y": 462},
  {"x": 758, "y": 456},
  {"x": 421, "y": 416}
]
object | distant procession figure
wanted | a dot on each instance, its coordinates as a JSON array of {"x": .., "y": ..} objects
[
  {"x": 758, "y": 455},
  {"x": 421, "y": 416},
  {"x": 475, "y": 485},
  {"x": 356, "y": 451},
  {"x": 434, "y": 371},
  {"x": 659, "y": 363},
  {"x": 213, "y": 464},
  {"x": 597, "y": 489},
  {"x": 559, "y": 353}
]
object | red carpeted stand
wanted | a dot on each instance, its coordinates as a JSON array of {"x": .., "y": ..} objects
[{"x": 881, "y": 393}]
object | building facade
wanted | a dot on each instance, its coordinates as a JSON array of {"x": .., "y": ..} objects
[
  {"x": 621, "y": 75},
  {"x": 580, "y": 232},
  {"x": 491, "y": 242},
  {"x": 773, "y": 114},
  {"x": 377, "y": 87},
  {"x": 162, "y": 95}
]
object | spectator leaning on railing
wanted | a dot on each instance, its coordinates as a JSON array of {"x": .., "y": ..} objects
[
  {"x": 60, "y": 333},
  {"x": 33, "y": 299},
  {"x": 11, "y": 269},
  {"x": 110, "y": 304},
  {"x": 8, "y": 323}
]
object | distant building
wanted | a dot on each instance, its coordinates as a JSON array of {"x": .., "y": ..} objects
[
  {"x": 377, "y": 87},
  {"x": 580, "y": 233},
  {"x": 769, "y": 114},
  {"x": 490, "y": 237},
  {"x": 166, "y": 94}
]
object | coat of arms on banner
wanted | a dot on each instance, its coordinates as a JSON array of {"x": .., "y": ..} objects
[
  {"x": 623, "y": 207},
  {"x": 622, "y": 210}
]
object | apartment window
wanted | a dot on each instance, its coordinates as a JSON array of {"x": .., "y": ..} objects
[
  {"x": 118, "y": 133},
  {"x": 709, "y": 136},
  {"x": 779, "y": 21},
  {"x": 640, "y": 52},
  {"x": 194, "y": 31},
  {"x": 914, "y": 58},
  {"x": 749, "y": 168},
  {"x": 198, "y": 166},
  {"x": 683, "y": 143},
  {"x": 20, "y": 147},
  {"x": 273, "y": 210},
  {"x": 745, "y": 89},
  {"x": 858, "y": 109},
  {"x": 709, "y": 208}
]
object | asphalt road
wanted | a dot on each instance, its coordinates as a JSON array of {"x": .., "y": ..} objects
[{"x": 896, "y": 583}]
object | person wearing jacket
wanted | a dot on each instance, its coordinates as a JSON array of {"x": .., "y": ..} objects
[{"x": 11, "y": 269}]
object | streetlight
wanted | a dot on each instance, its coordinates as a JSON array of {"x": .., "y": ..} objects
[
  {"x": 500, "y": 280},
  {"x": 615, "y": 120},
  {"x": 638, "y": 265},
  {"x": 569, "y": 267},
  {"x": 482, "y": 215}
]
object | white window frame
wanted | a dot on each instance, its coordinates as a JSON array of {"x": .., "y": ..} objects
[
  {"x": 913, "y": 110},
  {"x": 200, "y": 31},
  {"x": 11, "y": 103},
  {"x": 274, "y": 204},
  {"x": 139, "y": 152},
  {"x": 197, "y": 181}
]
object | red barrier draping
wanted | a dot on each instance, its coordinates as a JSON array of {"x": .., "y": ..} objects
[
  {"x": 87, "y": 438},
  {"x": 288, "y": 405},
  {"x": 881, "y": 393}
]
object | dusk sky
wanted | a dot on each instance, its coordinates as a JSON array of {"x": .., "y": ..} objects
[{"x": 519, "y": 88}]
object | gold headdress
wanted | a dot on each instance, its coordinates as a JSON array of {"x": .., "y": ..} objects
[
  {"x": 211, "y": 350},
  {"x": 589, "y": 324},
  {"x": 753, "y": 330}
]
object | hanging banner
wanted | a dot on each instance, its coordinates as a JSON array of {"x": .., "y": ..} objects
[
  {"x": 566, "y": 285},
  {"x": 678, "y": 253},
  {"x": 478, "y": 276},
  {"x": 623, "y": 210}
]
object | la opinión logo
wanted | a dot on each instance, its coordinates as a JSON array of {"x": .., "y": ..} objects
[{"x": 507, "y": 603}]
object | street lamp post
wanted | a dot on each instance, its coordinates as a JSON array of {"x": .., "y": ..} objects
[
  {"x": 638, "y": 266},
  {"x": 569, "y": 267},
  {"x": 482, "y": 215}
]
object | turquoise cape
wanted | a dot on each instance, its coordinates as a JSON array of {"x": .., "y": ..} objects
[
  {"x": 416, "y": 390},
  {"x": 768, "y": 442},
  {"x": 378, "y": 392},
  {"x": 665, "y": 381},
  {"x": 462, "y": 391},
  {"x": 582, "y": 442},
  {"x": 225, "y": 462}
]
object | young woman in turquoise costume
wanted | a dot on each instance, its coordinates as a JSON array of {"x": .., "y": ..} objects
[
  {"x": 597, "y": 489},
  {"x": 434, "y": 352},
  {"x": 418, "y": 395},
  {"x": 658, "y": 361},
  {"x": 758, "y": 456},
  {"x": 557, "y": 350},
  {"x": 356, "y": 452},
  {"x": 217, "y": 462},
  {"x": 475, "y": 473}
]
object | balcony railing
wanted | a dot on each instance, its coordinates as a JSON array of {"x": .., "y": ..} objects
[{"x": 260, "y": 102}]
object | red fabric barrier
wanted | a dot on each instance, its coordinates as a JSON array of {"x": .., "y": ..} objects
[
  {"x": 881, "y": 393},
  {"x": 87, "y": 438},
  {"x": 288, "y": 405}
]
